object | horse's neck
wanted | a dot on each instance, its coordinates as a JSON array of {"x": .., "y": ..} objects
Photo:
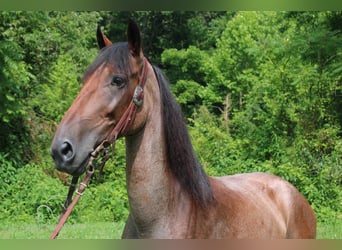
[{"x": 147, "y": 177}]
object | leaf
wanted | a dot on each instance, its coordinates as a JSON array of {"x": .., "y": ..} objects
[{"x": 10, "y": 98}]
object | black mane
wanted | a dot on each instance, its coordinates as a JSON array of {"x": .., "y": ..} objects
[{"x": 183, "y": 162}]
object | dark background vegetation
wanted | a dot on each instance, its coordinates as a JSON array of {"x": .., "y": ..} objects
[{"x": 261, "y": 91}]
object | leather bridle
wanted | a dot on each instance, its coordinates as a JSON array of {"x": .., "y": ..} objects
[{"x": 120, "y": 129}]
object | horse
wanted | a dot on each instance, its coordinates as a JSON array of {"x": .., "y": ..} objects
[{"x": 170, "y": 195}]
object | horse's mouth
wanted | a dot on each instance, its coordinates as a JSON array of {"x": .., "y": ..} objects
[
  {"x": 74, "y": 171},
  {"x": 82, "y": 167}
]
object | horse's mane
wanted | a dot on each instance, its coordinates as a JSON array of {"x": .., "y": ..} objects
[{"x": 181, "y": 157}]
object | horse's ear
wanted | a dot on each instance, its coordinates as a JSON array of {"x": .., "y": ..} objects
[
  {"x": 102, "y": 40},
  {"x": 133, "y": 38}
]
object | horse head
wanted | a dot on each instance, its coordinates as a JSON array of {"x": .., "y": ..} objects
[{"x": 109, "y": 85}]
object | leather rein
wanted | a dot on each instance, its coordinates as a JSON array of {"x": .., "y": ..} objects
[{"x": 120, "y": 129}]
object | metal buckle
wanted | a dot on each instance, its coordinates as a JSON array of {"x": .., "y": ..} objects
[{"x": 138, "y": 96}]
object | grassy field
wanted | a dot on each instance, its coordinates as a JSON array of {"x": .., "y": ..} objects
[
  {"x": 112, "y": 231},
  {"x": 74, "y": 231}
]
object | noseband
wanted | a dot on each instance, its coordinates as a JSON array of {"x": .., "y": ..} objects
[{"x": 120, "y": 129}]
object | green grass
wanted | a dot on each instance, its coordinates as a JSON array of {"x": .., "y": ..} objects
[
  {"x": 332, "y": 230},
  {"x": 113, "y": 231},
  {"x": 72, "y": 231}
]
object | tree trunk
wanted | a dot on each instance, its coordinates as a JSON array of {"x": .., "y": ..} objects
[{"x": 227, "y": 106}]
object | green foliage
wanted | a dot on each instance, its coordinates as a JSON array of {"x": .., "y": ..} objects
[
  {"x": 14, "y": 83},
  {"x": 27, "y": 194},
  {"x": 217, "y": 152},
  {"x": 106, "y": 199},
  {"x": 30, "y": 47},
  {"x": 189, "y": 89},
  {"x": 31, "y": 196},
  {"x": 61, "y": 89},
  {"x": 14, "y": 80},
  {"x": 167, "y": 29},
  {"x": 197, "y": 81},
  {"x": 8, "y": 174},
  {"x": 261, "y": 92}
]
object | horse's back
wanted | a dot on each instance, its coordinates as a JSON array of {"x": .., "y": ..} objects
[{"x": 263, "y": 206}]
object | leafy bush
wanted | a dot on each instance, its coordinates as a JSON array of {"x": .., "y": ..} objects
[
  {"x": 106, "y": 199},
  {"x": 29, "y": 194}
]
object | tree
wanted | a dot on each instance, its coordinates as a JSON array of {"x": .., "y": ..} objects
[
  {"x": 167, "y": 29},
  {"x": 31, "y": 43}
]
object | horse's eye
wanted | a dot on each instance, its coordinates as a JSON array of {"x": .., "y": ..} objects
[{"x": 118, "y": 81}]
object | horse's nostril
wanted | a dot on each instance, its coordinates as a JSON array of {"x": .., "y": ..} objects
[{"x": 66, "y": 151}]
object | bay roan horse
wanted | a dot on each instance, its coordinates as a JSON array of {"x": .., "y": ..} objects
[{"x": 170, "y": 195}]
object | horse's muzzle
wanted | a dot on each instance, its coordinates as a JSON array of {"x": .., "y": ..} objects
[{"x": 63, "y": 155}]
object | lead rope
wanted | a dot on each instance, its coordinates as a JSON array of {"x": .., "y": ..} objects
[
  {"x": 121, "y": 128},
  {"x": 68, "y": 205}
]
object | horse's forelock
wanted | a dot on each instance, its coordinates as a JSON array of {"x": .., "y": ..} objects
[{"x": 115, "y": 57}]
